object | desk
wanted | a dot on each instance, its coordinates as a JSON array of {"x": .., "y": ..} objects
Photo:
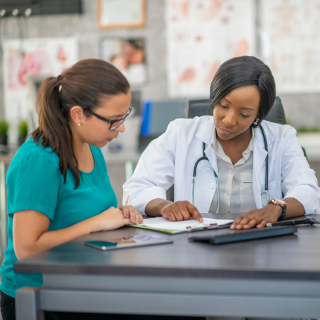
[{"x": 275, "y": 277}]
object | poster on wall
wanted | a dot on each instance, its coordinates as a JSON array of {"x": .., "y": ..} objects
[
  {"x": 32, "y": 57},
  {"x": 128, "y": 55},
  {"x": 201, "y": 35},
  {"x": 291, "y": 43}
]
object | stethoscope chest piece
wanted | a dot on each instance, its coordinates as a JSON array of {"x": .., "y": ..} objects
[{"x": 265, "y": 198}]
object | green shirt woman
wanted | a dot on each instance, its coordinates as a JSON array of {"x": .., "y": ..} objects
[{"x": 58, "y": 187}]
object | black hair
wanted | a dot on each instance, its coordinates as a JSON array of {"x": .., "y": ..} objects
[{"x": 240, "y": 72}]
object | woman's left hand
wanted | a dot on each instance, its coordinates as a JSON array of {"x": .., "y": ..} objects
[
  {"x": 258, "y": 217},
  {"x": 131, "y": 213}
]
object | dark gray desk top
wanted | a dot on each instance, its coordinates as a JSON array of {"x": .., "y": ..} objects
[{"x": 292, "y": 257}]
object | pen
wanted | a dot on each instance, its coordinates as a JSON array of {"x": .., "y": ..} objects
[{"x": 292, "y": 222}]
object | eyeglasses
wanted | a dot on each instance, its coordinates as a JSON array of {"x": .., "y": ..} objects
[{"x": 114, "y": 124}]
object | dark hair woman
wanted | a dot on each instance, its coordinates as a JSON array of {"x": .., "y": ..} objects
[
  {"x": 57, "y": 183},
  {"x": 226, "y": 154}
]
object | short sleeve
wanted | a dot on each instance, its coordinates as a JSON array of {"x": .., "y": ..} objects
[{"x": 33, "y": 183}]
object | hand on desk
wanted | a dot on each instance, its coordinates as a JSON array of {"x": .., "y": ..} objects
[
  {"x": 257, "y": 217},
  {"x": 180, "y": 210},
  {"x": 115, "y": 218},
  {"x": 131, "y": 213},
  {"x": 270, "y": 213}
]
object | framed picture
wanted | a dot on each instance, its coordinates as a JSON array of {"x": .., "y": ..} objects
[
  {"x": 128, "y": 55},
  {"x": 121, "y": 13}
]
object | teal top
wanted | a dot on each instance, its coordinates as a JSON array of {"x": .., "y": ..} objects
[{"x": 34, "y": 182}]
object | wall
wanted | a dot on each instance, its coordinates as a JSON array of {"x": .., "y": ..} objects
[{"x": 85, "y": 27}]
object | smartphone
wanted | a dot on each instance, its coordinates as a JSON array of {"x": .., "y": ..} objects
[{"x": 128, "y": 242}]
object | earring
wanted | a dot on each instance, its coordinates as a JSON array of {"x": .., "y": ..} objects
[
  {"x": 256, "y": 121},
  {"x": 79, "y": 124}
]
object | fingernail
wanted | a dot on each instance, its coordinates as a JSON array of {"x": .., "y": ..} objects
[
  {"x": 133, "y": 219},
  {"x": 126, "y": 215}
]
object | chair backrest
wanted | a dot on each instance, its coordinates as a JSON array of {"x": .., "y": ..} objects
[{"x": 199, "y": 107}]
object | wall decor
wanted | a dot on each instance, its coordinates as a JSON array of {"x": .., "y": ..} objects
[
  {"x": 128, "y": 55},
  {"x": 121, "y": 13}
]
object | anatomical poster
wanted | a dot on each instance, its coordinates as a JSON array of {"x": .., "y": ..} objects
[
  {"x": 291, "y": 43},
  {"x": 31, "y": 57},
  {"x": 201, "y": 35}
]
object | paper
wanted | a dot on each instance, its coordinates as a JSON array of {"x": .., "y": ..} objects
[{"x": 165, "y": 224}]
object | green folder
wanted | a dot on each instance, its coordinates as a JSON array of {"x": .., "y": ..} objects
[{"x": 159, "y": 230}]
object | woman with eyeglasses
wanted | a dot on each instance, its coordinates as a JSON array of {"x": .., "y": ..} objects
[{"x": 58, "y": 188}]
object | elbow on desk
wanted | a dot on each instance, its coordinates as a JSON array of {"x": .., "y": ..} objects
[{"x": 23, "y": 251}]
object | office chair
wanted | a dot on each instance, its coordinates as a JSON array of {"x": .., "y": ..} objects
[{"x": 199, "y": 107}]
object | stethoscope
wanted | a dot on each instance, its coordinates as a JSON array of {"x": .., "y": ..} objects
[{"x": 265, "y": 198}]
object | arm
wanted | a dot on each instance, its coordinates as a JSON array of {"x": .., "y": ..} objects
[
  {"x": 31, "y": 235},
  {"x": 270, "y": 213},
  {"x": 154, "y": 173},
  {"x": 299, "y": 184}
]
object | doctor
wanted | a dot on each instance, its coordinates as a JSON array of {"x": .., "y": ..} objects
[{"x": 221, "y": 163}]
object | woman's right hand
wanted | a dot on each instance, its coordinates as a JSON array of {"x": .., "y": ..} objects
[
  {"x": 180, "y": 210},
  {"x": 110, "y": 219}
]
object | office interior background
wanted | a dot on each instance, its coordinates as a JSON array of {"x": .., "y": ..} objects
[{"x": 176, "y": 47}]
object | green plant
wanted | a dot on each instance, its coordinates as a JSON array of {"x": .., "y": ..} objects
[
  {"x": 23, "y": 128},
  {"x": 306, "y": 130},
  {"x": 4, "y": 125}
]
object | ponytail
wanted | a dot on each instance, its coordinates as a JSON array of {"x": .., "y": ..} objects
[{"x": 84, "y": 84}]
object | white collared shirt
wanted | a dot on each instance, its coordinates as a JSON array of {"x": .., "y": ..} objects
[{"x": 235, "y": 181}]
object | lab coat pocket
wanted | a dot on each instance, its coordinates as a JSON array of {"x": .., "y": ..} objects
[{"x": 246, "y": 193}]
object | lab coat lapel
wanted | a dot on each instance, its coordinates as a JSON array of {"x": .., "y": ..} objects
[
  {"x": 259, "y": 157},
  {"x": 205, "y": 134},
  {"x": 204, "y": 198}
]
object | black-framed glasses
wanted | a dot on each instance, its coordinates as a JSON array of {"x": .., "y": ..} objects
[{"x": 114, "y": 124}]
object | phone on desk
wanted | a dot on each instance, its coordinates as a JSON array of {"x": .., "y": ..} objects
[{"x": 128, "y": 242}]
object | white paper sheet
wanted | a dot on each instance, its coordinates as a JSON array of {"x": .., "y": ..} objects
[{"x": 165, "y": 224}]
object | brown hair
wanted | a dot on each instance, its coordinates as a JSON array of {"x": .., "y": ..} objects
[{"x": 85, "y": 84}]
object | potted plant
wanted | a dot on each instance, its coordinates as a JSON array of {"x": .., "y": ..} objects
[
  {"x": 4, "y": 125},
  {"x": 23, "y": 131}
]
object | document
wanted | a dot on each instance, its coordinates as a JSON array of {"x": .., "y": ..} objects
[{"x": 164, "y": 225}]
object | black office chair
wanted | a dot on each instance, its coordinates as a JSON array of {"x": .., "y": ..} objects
[{"x": 199, "y": 107}]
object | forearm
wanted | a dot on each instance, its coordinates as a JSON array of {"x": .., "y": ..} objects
[
  {"x": 51, "y": 239},
  {"x": 294, "y": 208},
  {"x": 155, "y": 207}
]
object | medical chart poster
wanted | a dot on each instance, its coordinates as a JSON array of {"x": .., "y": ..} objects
[
  {"x": 31, "y": 57},
  {"x": 201, "y": 35},
  {"x": 291, "y": 43}
]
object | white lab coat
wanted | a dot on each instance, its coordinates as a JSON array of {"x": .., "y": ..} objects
[{"x": 171, "y": 158}]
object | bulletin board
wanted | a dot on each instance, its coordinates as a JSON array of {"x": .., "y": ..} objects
[
  {"x": 200, "y": 36},
  {"x": 31, "y": 57},
  {"x": 291, "y": 43}
]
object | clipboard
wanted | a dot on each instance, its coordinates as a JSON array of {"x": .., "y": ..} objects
[{"x": 199, "y": 226}]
